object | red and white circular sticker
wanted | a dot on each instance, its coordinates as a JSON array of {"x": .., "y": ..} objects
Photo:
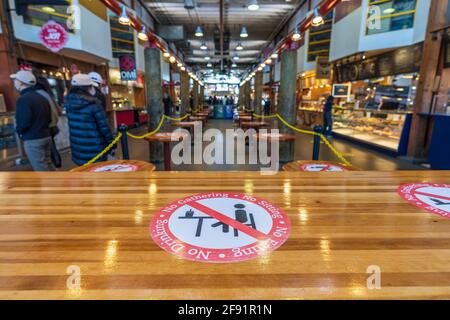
[
  {"x": 53, "y": 36},
  {"x": 220, "y": 227},
  {"x": 322, "y": 167},
  {"x": 431, "y": 197},
  {"x": 115, "y": 168}
]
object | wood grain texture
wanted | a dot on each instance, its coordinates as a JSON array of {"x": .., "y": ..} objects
[
  {"x": 341, "y": 224},
  {"x": 166, "y": 137},
  {"x": 141, "y": 165}
]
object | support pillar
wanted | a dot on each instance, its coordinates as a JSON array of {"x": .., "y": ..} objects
[
  {"x": 287, "y": 107},
  {"x": 247, "y": 95},
  {"x": 432, "y": 83},
  {"x": 241, "y": 95},
  {"x": 195, "y": 94},
  {"x": 154, "y": 100},
  {"x": 258, "y": 92},
  {"x": 201, "y": 98},
  {"x": 184, "y": 92}
]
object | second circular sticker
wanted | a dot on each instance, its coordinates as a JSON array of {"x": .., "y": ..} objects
[{"x": 220, "y": 227}]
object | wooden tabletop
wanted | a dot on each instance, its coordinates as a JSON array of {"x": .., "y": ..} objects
[
  {"x": 198, "y": 118},
  {"x": 166, "y": 137},
  {"x": 282, "y": 137},
  {"x": 311, "y": 165},
  {"x": 342, "y": 223},
  {"x": 256, "y": 124},
  {"x": 116, "y": 166},
  {"x": 183, "y": 124}
]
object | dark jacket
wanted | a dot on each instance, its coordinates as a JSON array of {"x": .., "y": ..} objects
[
  {"x": 33, "y": 115},
  {"x": 88, "y": 127},
  {"x": 328, "y": 107},
  {"x": 100, "y": 96}
]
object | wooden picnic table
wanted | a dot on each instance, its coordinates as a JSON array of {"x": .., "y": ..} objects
[
  {"x": 341, "y": 225},
  {"x": 166, "y": 138}
]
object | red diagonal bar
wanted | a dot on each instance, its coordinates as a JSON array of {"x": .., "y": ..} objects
[
  {"x": 229, "y": 221},
  {"x": 432, "y": 195}
]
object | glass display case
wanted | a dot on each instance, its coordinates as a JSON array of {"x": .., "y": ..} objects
[
  {"x": 382, "y": 128},
  {"x": 10, "y": 148}
]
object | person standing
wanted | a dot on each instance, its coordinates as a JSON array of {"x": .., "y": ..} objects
[
  {"x": 88, "y": 126},
  {"x": 33, "y": 117},
  {"x": 43, "y": 88},
  {"x": 267, "y": 107},
  {"x": 168, "y": 104},
  {"x": 100, "y": 90},
  {"x": 328, "y": 116}
]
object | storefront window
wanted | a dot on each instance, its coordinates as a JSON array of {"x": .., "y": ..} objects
[
  {"x": 393, "y": 15},
  {"x": 40, "y": 15}
]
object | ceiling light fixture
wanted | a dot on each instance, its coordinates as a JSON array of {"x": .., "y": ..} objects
[
  {"x": 253, "y": 5},
  {"x": 166, "y": 54},
  {"x": 296, "y": 35},
  {"x": 183, "y": 69},
  {"x": 234, "y": 65},
  {"x": 143, "y": 34},
  {"x": 244, "y": 32},
  {"x": 204, "y": 46},
  {"x": 274, "y": 55},
  {"x": 317, "y": 19},
  {"x": 209, "y": 65},
  {"x": 236, "y": 58},
  {"x": 124, "y": 19},
  {"x": 239, "y": 47},
  {"x": 268, "y": 61},
  {"x": 198, "y": 31},
  {"x": 207, "y": 58},
  {"x": 172, "y": 59}
]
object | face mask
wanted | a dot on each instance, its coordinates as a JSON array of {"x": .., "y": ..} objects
[
  {"x": 92, "y": 91},
  {"x": 17, "y": 86},
  {"x": 105, "y": 90}
]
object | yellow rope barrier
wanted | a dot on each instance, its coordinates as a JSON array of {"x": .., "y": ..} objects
[
  {"x": 104, "y": 150},
  {"x": 164, "y": 117},
  {"x": 322, "y": 137}
]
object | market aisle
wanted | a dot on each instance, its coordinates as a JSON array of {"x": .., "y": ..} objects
[{"x": 358, "y": 156}]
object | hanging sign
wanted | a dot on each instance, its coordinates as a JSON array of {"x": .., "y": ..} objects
[
  {"x": 53, "y": 36},
  {"x": 431, "y": 197},
  {"x": 115, "y": 168},
  {"x": 323, "y": 68},
  {"x": 127, "y": 65},
  {"x": 322, "y": 167},
  {"x": 220, "y": 227}
]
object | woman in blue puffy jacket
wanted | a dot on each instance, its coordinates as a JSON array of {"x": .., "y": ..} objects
[{"x": 88, "y": 126}]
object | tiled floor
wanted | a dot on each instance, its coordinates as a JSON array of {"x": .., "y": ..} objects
[{"x": 358, "y": 156}]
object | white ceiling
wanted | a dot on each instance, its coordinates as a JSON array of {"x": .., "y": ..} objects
[{"x": 260, "y": 25}]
